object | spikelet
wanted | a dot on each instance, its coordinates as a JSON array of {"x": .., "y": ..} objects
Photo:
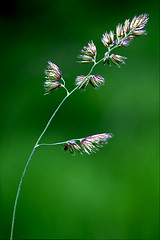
[
  {"x": 53, "y": 75},
  {"x": 83, "y": 81},
  {"x": 88, "y": 145},
  {"x": 88, "y": 53}
]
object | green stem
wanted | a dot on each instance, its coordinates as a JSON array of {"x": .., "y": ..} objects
[
  {"x": 19, "y": 188},
  {"x": 30, "y": 157},
  {"x": 37, "y": 145},
  {"x": 59, "y": 143}
]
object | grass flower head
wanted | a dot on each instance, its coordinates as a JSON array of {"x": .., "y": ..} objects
[
  {"x": 88, "y": 145},
  {"x": 94, "y": 80},
  {"x": 108, "y": 39},
  {"x": 92, "y": 143},
  {"x": 88, "y": 53},
  {"x": 53, "y": 75}
]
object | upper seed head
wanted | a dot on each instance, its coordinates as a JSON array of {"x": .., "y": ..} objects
[
  {"x": 125, "y": 33},
  {"x": 138, "y": 23}
]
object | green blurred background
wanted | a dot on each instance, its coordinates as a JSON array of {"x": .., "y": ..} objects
[{"x": 112, "y": 194}]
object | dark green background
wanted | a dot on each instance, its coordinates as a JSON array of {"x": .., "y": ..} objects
[{"x": 112, "y": 194}]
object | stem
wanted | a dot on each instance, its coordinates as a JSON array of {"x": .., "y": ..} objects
[
  {"x": 37, "y": 145},
  {"x": 30, "y": 157},
  {"x": 68, "y": 94},
  {"x": 19, "y": 188},
  {"x": 59, "y": 143},
  {"x": 122, "y": 39},
  {"x": 65, "y": 89}
]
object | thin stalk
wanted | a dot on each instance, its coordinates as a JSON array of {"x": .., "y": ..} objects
[
  {"x": 30, "y": 157},
  {"x": 68, "y": 94},
  {"x": 59, "y": 143},
  {"x": 19, "y": 188},
  {"x": 37, "y": 144}
]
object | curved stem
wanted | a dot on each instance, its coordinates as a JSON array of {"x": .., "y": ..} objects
[
  {"x": 18, "y": 191},
  {"x": 65, "y": 89},
  {"x": 37, "y": 145},
  {"x": 68, "y": 94},
  {"x": 30, "y": 157}
]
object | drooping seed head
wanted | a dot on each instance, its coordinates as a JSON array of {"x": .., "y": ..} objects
[
  {"x": 51, "y": 86},
  {"x": 117, "y": 59},
  {"x": 72, "y": 146},
  {"x": 96, "y": 80},
  {"x": 92, "y": 143},
  {"x": 75, "y": 145},
  {"x": 82, "y": 81},
  {"x": 52, "y": 72},
  {"x": 69, "y": 146},
  {"x": 99, "y": 138},
  {"x": 88, "y": 53},
  {"x": 88, "y": 145}
]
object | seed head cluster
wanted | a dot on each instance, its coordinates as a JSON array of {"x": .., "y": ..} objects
[
  {"x": 88, "y": 145},
  {"x": 83, "y": 81},
  {"x": 117, "y": 59},
  {"x": 88, "y": 53},
  {"x": 122, "y": 37},
  {"x": 53, "y": 75},
  {"x": 108, "y": 39},
  {"x": 124, "y": 34}
]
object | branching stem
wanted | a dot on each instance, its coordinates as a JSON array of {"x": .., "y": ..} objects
[{"x": 40, "y": 137}]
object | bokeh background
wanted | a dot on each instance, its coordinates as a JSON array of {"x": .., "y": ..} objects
[{"x": 112, "y": 194}]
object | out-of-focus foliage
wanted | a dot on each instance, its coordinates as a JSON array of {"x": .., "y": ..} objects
[{"x": 112, "y": 194}]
